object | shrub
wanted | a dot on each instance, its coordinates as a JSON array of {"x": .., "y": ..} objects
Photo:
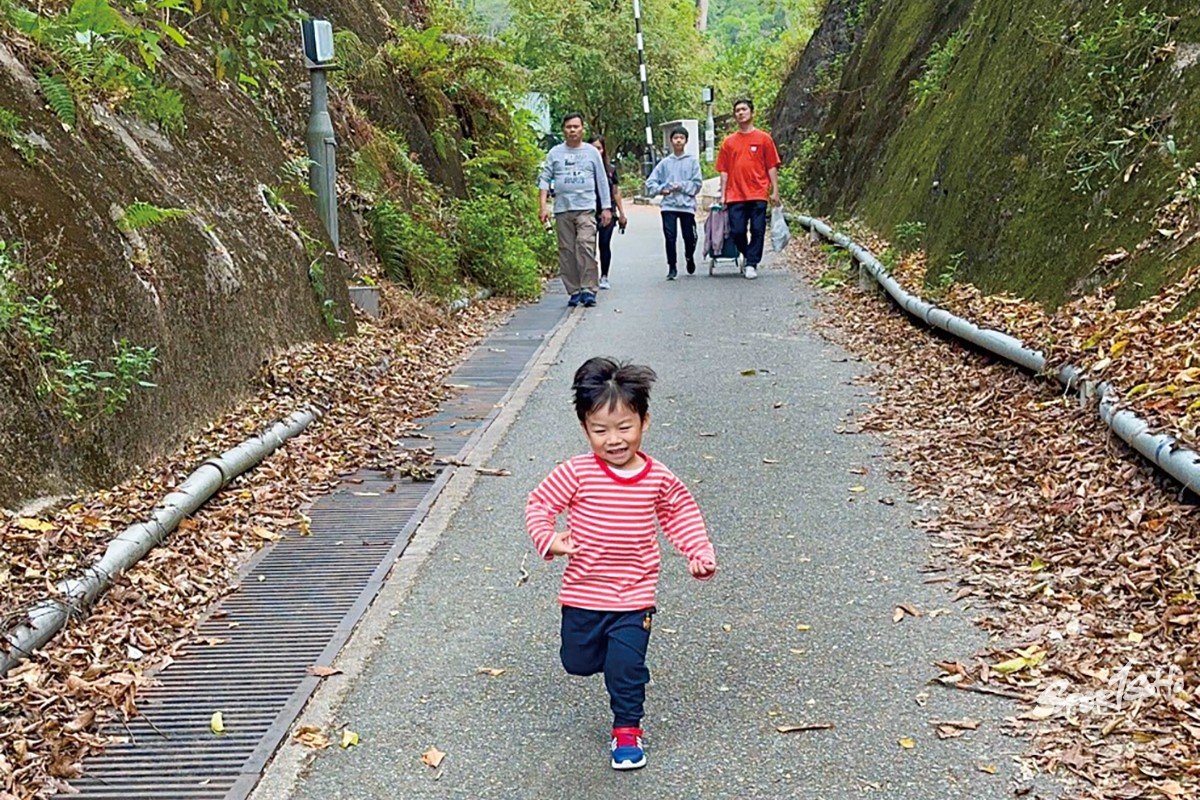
[
  {"x": 411, "y": 251},
  {"x": 932, "y": 80},
  {"x": 492, "y": 250}
]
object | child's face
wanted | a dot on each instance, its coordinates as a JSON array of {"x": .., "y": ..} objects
[
  {"x": 678, "y": 143},
  {"x": 616, "y": 434}
]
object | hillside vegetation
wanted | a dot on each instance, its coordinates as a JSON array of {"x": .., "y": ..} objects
[
  {"x": 157, "y": 238},
  {"x": 1036, "y": 147}
]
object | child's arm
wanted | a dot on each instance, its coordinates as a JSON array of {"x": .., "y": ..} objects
[
  {"x": 695, "y": 180},
  {"x": 546, "y": 502},
  {"x": 654, "y": 184},
  {"x": 683, "y": 525}
]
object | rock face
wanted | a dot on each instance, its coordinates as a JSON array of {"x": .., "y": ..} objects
[
  {"x": 1032, "y": 139},
  {"x": 217, "y": 291}
]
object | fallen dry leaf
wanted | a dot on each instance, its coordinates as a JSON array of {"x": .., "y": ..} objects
[
  {"x": 321, "y": 671},
  {"x": 311, "y": 737},
  {"x": 432, "y": 758}
]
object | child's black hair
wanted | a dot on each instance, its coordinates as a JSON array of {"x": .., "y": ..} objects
[
  {"x": 680, "y": 132},
  {"x": 604, "y": 382}
]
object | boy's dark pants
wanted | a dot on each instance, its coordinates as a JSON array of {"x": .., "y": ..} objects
[
  {"x": 612, "y": 642},
  {"x": 687, "y": 222},
  {"x": 750, "y": 214}
]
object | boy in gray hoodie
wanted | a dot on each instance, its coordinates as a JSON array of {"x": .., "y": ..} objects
[{"x": 677, "y": 179}]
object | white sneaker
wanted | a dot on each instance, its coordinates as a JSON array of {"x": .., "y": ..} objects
[
  {"x": 604, "y": 283},
  {"x": 751, "y": 273}
]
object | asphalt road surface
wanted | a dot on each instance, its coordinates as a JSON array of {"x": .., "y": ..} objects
[{"x": 796, "y": 629}]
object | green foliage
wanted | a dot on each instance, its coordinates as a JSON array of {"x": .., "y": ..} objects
[
  {"x": 492, "y": 251},
  {"x": 856, "y": 14},
  {"x": 829, "y": 74},
  {"x": 940, "y": 281},
  {"x": 411, "y": 251},
  {"x": 1102, "y": 126},
  {"x": 932, "y": 80},
  {"x": 58, "y": 97},
  {"x": 97, "y": 53},
  {"x": 908, "y": 236},
  {"x": 11, "y": 131},
  {"x": 246, "y": 27},
  {"x": 754, "y": 45},
  {"x": 79, "y": 389},
  {"x": 316, "y": 279},
  {"x": 468, "y": 86},
  {"x": 140, "y": 215},
  {"x": 583, "y": 57}
]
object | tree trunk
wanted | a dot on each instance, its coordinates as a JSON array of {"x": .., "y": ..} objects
[{"x": 702, "y": 15}]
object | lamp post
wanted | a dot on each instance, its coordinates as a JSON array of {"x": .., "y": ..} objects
[
  {"x": 710, "y": 134},
  {"x": 317, "y": 36}
]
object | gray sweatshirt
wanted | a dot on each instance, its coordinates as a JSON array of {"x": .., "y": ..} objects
[
  {"x": 681, "y": 174},
  {"x": 578, "y": 178}
]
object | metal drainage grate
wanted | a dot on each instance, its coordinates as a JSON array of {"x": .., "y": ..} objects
[{"x": 297, "y": 604}]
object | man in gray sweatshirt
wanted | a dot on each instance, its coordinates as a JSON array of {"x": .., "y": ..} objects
[
  {"x": 677, "y": 179},
  {"x": 576, "y": 171}
]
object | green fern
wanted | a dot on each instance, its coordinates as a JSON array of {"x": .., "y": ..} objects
[
  {"x": 146, "y": 215},
  {"x": 387, "y": 234},
  {"x": 58, "y": 97}
]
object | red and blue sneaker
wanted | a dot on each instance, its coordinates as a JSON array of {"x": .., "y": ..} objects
[{"x": 627, "y": 752}]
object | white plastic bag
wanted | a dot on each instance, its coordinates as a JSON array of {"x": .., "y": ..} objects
[{"x": 780, "y": 235}]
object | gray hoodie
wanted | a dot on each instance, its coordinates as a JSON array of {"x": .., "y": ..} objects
[{"x": 682, "y": 175}]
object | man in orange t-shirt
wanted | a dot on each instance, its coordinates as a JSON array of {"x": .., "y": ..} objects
[{"x": 749, "y": 167}]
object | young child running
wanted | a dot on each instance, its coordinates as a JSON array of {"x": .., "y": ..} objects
[{"x": 613, "y": 496}]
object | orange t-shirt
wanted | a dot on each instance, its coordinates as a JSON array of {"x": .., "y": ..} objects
[{"x": 746, "y": 157}]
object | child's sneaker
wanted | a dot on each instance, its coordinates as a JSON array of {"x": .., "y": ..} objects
[
  {"x": 604, "y": 283},
  {"x": 627, "y": 752}
]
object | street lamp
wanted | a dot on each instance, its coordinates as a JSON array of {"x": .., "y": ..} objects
[
  {"x": 317, "y": 37},
  {"x": 710, "y": 134}
]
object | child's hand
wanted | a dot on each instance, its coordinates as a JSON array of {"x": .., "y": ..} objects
[
  {"x": 702, "y": 567},
  {"x": 562, "y": 545}
]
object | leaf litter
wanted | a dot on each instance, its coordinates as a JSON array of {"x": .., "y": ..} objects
[
  {"x": 371, "y": 387},
  {"x": 1062, "y": 540}
]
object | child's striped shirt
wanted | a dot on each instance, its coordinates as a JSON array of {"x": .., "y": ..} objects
[{"x": 612, "y": 522}]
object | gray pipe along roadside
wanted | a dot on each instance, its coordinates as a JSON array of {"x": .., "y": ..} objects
[
  {"x": 72, "y": 596},
  {"x": 1161, "y": 449}
]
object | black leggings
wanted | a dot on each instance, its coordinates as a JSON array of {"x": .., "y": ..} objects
[{"x": 604, "y": 236}]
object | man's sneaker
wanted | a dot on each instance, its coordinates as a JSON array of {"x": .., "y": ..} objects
[
  {"x": 587, "y": 299},
  {"x": 671, "y": 273},
  {"x": 691, "y": 266},
  {"x": 751, "y": 273},
  {"x": 627, "y": 752},
  {"x": 604, "y": 283},
  {"x": 575, "y": 298}
]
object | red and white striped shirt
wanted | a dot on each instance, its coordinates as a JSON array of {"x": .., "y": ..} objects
[{"x": 611, "y": 519}]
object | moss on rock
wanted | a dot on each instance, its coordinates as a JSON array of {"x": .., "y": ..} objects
[{"x": 1057, "y": 137}]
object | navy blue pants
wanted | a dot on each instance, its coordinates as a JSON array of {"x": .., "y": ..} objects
[
  {"x": 612, "y": 642},
  {"x": 686, "y": 222},
  {"x": 751, "y": 214}
]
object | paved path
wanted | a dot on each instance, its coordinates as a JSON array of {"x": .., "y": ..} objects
[{"x": 796, "y": 547}]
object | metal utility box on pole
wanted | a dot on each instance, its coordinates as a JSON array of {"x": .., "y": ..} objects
[
  {"x": 317, "y": 35},
  {"x": 710, "y": 128}
]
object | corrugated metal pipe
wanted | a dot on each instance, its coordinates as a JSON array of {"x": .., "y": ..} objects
[
  {"x": 74, "y": 595},
  {"x": 1165, "y": 451}
]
